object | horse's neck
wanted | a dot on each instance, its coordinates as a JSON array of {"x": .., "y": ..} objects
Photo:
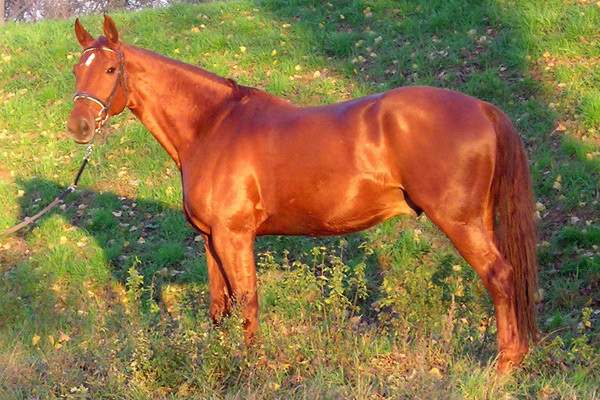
[{"x": 175, "y": 101}]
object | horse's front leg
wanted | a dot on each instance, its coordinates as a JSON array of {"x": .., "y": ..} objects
[
  {"x": 232, "y": 276},
  {"x": 219, "y": 286}
]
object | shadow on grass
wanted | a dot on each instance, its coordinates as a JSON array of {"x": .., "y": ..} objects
[{"x": 152, "y": 233}]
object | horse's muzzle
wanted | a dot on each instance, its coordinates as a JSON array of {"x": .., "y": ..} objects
[{"x": 81, "y": 129}]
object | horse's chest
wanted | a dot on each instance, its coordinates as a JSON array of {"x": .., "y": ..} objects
[{"x": 196, "y": 204}]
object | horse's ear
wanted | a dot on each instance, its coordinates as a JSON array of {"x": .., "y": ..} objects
[
  {"x": 83, "y": 37},
  {"x": 110, "y": 30}
]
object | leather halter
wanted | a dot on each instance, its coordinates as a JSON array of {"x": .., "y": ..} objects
[{"x": 103, "y": 113}]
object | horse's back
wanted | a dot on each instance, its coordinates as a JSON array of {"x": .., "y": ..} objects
[{"x": 399, "y": 136}]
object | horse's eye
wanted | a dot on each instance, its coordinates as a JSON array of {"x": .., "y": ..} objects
[{"x": 111, "y": 70}]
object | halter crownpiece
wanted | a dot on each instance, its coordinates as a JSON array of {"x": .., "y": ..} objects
[{"x": 101, "y": 119}]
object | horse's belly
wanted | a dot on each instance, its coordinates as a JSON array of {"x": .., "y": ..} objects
[{"x": 328, "y": 214}]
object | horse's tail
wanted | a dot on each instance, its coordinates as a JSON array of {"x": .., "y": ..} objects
[{"x": 514, "y": 228}]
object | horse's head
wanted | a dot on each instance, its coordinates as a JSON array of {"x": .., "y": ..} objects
[{"x": 100, "y": 82}]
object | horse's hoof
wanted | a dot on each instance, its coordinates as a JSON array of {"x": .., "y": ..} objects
[
  {"x": 507, "y": 363},
  {"x": 504, "y": 366}
]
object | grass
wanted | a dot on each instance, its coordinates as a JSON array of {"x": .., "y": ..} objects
[{"x": 107, "y": 298}]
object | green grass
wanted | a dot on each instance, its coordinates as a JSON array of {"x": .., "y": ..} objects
[{"x": 108, "y": 298}]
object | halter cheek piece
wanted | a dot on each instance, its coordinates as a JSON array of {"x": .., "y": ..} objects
[{"x": 103, "y": 114}]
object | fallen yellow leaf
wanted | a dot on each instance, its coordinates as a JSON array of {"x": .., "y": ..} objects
[
  {"x": 63, "y": 337},
  {"x": 435, "y": 372},
  {"x": 557, "y": 185},
  {"x": 35, "y": 340}
]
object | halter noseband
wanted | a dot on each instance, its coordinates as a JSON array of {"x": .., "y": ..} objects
[{"x": 103, "y": 114}]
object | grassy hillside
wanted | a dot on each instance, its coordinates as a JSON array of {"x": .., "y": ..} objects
[{"x": 108, "y": 297}]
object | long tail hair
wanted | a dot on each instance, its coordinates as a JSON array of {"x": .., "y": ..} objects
[{"x": 514, "y": 228}]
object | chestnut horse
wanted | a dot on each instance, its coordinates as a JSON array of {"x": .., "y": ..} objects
[{"x": 253, "y": 164}]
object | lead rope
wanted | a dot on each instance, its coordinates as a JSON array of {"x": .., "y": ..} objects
[{"x": 58, "y": 200}]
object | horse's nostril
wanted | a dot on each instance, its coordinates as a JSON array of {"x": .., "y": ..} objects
[{"x": 84, "y": 126}]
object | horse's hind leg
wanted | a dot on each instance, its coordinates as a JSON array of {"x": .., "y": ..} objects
[{"x": 474, "y": 241}]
